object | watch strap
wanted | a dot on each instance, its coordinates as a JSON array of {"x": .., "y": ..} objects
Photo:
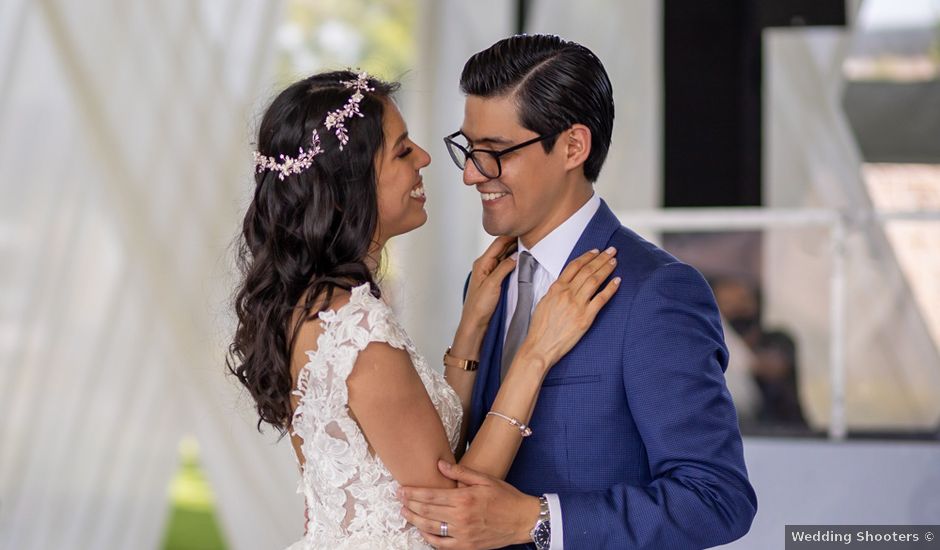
[
  {"x": 541, "y": 533},
  {"x": 468, "y": 365}
]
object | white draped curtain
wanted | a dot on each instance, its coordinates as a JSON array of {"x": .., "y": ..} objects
[{"x": 125, "y": 133}]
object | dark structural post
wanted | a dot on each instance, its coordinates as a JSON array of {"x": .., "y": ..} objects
[
  {"x": 712, "y": 80},
  {"x": 522, "y": 13}
]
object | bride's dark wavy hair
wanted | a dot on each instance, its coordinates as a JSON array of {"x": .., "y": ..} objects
[{"x": 310, "y": 232}]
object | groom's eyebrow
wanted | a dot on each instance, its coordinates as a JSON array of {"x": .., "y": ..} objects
[{"x": 499, "y": 140}]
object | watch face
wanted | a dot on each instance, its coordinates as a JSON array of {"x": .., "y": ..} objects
[{"x": 543, "y": 535}]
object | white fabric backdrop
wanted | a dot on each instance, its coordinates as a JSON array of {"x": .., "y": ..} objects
[{"x": 128, "y": 125}]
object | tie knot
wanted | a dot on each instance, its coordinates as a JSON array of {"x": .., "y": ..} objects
[{"x": 526, "y": 267}]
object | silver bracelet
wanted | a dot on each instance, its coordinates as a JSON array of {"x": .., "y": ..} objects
[{"x": 524, "y": 430}]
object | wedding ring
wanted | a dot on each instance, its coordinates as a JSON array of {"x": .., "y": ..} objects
[{"x": 443, "y": 528}]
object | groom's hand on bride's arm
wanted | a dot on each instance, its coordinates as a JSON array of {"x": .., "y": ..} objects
[{"x": 483, "y": 512}]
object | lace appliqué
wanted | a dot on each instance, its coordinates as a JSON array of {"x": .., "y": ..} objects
[{"x": 349, "y": 493}]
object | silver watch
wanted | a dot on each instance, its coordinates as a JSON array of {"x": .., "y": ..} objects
[{"x": 542, "y": 532}]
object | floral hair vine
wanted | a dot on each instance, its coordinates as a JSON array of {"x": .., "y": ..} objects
[
  {"x": 335, "y": 120},
  {"x": 287, "y": 165}
]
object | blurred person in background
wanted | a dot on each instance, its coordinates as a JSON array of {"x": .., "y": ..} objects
[
  {"x": 775, "y": 371},
  {"x": 772, "y": 364}
]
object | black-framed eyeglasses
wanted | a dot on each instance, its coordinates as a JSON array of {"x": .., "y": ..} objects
[{"x": 486, "y": 160}]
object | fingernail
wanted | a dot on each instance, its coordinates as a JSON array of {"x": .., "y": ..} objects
[
  {"x": 611, "y": 250},
  {"x": 616, "y": 280},
  {"x": 595, "y": 251},
  {"x": 444, "y": 464},
  {"x": 613, "y": 261}
]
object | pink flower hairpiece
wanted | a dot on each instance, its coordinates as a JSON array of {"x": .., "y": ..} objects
[
  {"x": 335, "y": 120},
  {"x": 287, "y": 165}
]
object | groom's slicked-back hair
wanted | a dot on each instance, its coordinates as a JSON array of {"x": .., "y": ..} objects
[{"x": 555, "y": 82}]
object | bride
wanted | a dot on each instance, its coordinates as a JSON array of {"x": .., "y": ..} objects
[{"x": 323, "y": 355}]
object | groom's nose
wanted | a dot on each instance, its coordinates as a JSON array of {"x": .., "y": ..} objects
[{"x": 472, "y": 176}]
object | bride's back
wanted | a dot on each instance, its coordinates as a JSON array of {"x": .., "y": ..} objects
[{"x": 305, "y": 342}]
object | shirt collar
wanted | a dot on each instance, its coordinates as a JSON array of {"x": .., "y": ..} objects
[{"x": 553, "y": 250}]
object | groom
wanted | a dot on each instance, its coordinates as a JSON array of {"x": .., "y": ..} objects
[{"x": 635, "y": 439}]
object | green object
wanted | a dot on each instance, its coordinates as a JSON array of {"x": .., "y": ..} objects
[{"x": 192, "y": 524}]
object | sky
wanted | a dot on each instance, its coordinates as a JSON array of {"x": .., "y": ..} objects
[{"x": 879, "y": 14}]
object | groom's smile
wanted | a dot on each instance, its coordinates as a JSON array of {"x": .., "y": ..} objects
[
  {"x": 489, "y": 198},
  {"x": 533, "y": 191}
]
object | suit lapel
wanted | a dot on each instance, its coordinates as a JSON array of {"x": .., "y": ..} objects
[
  {"x": 487, "y": 383},
  {"x": 596, "y": 235}
]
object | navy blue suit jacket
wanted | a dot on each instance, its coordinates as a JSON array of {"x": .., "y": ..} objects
[{"x": 634, "y": 428}]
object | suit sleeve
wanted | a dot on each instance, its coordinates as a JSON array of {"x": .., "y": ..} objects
[
  {"x": 466, "y": 287},
  {"x": 674, "y": 359}
]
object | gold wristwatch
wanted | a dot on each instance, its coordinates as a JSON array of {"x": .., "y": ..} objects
[{"x": 468, "y": 365}]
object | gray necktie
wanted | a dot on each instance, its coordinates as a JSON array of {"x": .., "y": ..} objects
[{"x": 519, "y": 325}]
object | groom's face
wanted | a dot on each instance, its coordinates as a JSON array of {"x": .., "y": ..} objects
[{"x": 529, "y": 195}]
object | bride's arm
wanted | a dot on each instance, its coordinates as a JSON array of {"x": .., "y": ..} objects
[
  {"x": 389, "y": 402},
  {"x": 467, "y": 342},
  {"x": 482, "y": 295},
  {"x": 400, "y": 423}
]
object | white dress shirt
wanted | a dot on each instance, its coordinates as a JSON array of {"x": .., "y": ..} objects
[{"x": 551, "y": 253}]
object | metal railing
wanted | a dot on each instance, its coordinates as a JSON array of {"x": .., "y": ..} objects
[{"x": 757, "y": 218}]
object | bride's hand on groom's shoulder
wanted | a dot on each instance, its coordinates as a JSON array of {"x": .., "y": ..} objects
[
  {"x": 486, "y": 280},
  {"x": 570, "y": 306}
]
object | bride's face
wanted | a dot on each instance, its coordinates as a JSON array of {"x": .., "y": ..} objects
[{"x": 400, "y": 188}]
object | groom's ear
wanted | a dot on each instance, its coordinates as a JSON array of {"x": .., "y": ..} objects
[{"x": 577, "y": 143}]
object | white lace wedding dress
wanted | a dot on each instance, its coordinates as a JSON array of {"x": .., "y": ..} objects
[{"x": 350, "y": 494}]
